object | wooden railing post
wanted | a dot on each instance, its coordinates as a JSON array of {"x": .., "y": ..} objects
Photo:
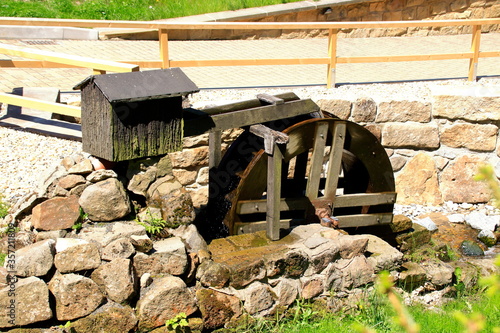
[
  {"x": 332, "y": 54},
  {"x": 475, "y": 46},
  {"x": 163, "y": 38}
]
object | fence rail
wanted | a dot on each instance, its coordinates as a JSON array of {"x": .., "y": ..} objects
[{"x": 331, "y": 61}]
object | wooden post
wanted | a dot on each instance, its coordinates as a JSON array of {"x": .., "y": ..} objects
[
  {"x": 272, "y": 141},
  {"x": 214, "y": 149},
  {"x": 476, "y": 41},
  {"x": 163, "y": 38},
  {"x": 332, "y": 53},
  {"x": 273, "y": 193}
]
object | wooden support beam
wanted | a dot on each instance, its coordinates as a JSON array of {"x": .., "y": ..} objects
[
  {"x": 164, "y": 56},
  {"x": 475, "y": 46},
  {"x": 401, "y": 58},
  {"x": 218, "y": 122},
  {"x": 246, "y": 228},
  {"x": 96, "y": 64},
  {"x": 364, "y": 220},
  {"x": 332, "y": 53},
  {"x": 249, "y": 62},
  {"x": 271, "y": 137},
  {"x": 37, "y": 104},
  {"x": 345, "y": 200},
  {"x": 214, "y": 148}
]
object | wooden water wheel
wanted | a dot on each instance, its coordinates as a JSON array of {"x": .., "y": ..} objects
[{"x": 327, "y": 164}]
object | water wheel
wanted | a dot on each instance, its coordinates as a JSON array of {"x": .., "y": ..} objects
[{"x": 328, "y": 164}]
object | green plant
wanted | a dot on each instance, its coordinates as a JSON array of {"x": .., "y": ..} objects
[
  {"x": 67, "y": 325},
  {"x": 154, "y": 225},
  {"x": 303, "y": 313},
  {"x": 179, "y": 323},
  {"x": 4, "y": 207},
  {"x": 2, "y": 258},
  {"x": 77, "y": 226}
]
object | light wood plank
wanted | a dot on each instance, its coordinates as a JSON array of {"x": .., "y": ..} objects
[
  {"x": 249, "y": 62},
  {"x": 164, "y": 56},
  {"x": 475, "y": 45},
  {"x": 320, "y": 137},
  {"x": 332, "y": 53},
  {"x": 400, "y": 58},
  {"x": 247, "y": 228},
  {"x": 260, "y": 206},
  {"x": 364, "y": 220},
  {"x": 37, "y": 104},
  {"x": 335, "y": 159},
  {"x": 364, "y": 199},
  {"x": 20, "y": 21},
  {"x": 96, "y": 64},
  {"x": 341, "y": 201}
]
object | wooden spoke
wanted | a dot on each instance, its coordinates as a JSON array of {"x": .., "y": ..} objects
[
  {"x": 335, "y": 161},
  {"x": 320, "y": 136}
]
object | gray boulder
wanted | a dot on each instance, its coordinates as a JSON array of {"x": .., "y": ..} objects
[
  {"x": 164, "y": 299},
  {"x": 116, "y": 280},
  {"x": 439, "y": 274},
  {"x": 346, "y": 274},
  {"x": 106, "y": 233},
  {"x": 79, "y": 256},
  {"x": 217, "y": 308},
  {"x": 100, "y": 175},
  {"x": 286, "y": 291},
  {"x": 168, "y": 257},
  {"x": 30, "y": 305},
  {"x": 120, "y": 248},
  {"x": 34, "y": 260},
  {"x": 382, "y": 255},
  {"x": 481, "y": 221},
  {"x": 190, "y": 236},
  {"x": 174, "y": 201},
  {"x": 76, "y": 296},
  {"x": 110, "y": 318},
  {"x": 259, "y": 298},
  {"x": 105, "y": 201}
]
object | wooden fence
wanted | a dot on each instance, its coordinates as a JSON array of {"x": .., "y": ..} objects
[{"x": 331, "y": 61}]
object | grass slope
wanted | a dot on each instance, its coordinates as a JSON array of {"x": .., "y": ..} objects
[{"x": 124, "y": 9}]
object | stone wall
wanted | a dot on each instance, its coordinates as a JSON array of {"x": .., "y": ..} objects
[
  {"x": 347, "y": 11},
  {"x": 436, "y": 146}
]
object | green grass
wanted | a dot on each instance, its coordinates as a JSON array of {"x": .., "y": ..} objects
[
  {"x": 123, "y": 9},
  {"x": 377, "y": 315}
]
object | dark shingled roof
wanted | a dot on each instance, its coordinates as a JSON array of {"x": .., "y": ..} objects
[{"x": 139, "y": 86}]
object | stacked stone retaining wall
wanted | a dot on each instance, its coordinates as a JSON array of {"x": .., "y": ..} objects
[{"x": 343, "y": 11}]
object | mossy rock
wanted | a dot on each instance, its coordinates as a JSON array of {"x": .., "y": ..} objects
[
  {"x": 414, "y": 238},
  {"x": 470, "y": 248}
]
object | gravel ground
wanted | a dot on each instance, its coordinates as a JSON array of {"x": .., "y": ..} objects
[{"x": 25, "y": 157}]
